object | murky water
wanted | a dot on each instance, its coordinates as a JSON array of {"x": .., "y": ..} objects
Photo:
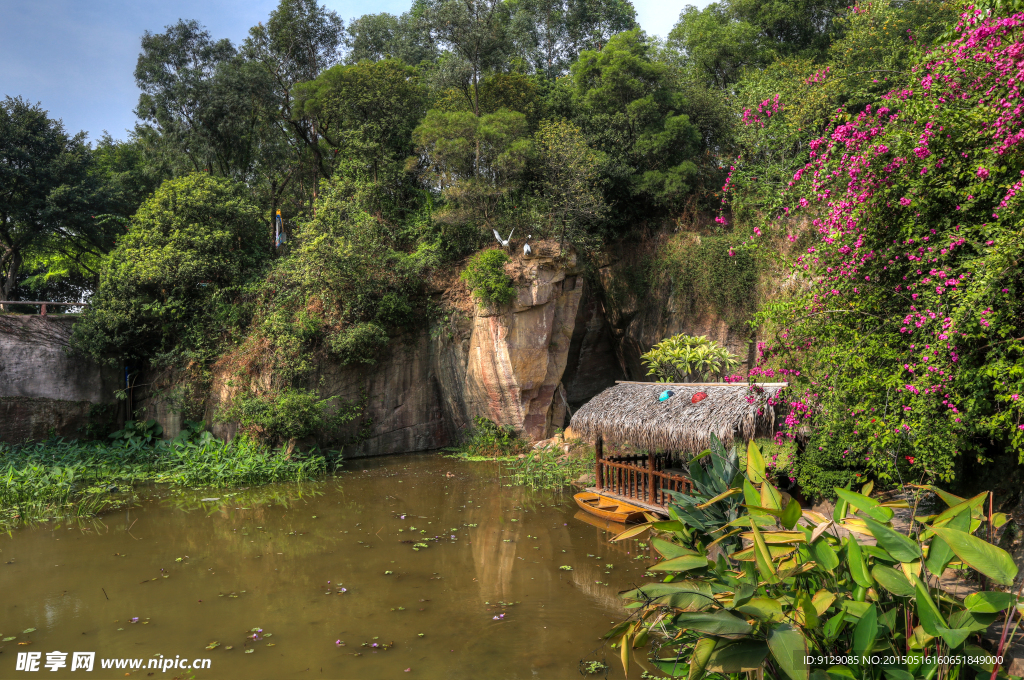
[{"x": 331, "y": 573}]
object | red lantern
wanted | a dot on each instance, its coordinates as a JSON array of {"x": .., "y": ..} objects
[{"x": 698, "y": 397}]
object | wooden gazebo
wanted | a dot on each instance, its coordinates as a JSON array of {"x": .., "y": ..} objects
[{"x": 630, "y": 413}]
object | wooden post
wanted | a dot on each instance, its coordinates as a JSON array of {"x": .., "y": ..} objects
[
  {"x": 650, "y": 479},
  {"x": 598, "y": 453}
]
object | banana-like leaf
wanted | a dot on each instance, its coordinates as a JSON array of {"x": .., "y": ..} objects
[
  {"x": 684, "y": 563},
  {"x": 755, "y": 464},
  {"x": 797, "y": 570},
  {"x": 807, "y": 613},
  {"x": 762, "y": 609},
  {"x": 815, "y": 517},
  {"x": 893, "y": 581},
  {"x": 980, "y": 555},
  {"x": 668, "y": 525},
  {"x": 819, "y": 530},
  {"x": 751, "y": 496},
  {"x": 762, "y": 557},
  {"x": 920, "y": 639},
  {"x": 858, "y": 569},
  {"x": 975, "y": 504},
  {"x": 939, "y": 552},
  {"x": 777, "y": 537},
  {"x": 722, "y": 538},
  {"x": 777, "y": 552},
  {"x": 825, "y": 555},
  {"x": 834, "y": 626},
  {"x": 865, "y": 632},
  {"x": 720, "y": 623},
  {"x": 738, "y": 657},
  {"x": 868, "y": 506},
  {"x": 722, "y": 496},
  {"x": 624, "y": 653},
  {"x": 789, "y": 649},
  {"x": 654, "y": 590},
  {"x": 972, "y": 621},
  {"x": 895, "y": 543},
  {"x": 948, "y": 498},
  {"x": 669, "y": 550},
  {"x": 702, "y": 651},
  {"x": 931, "y": 618},
  {"x": 856, "y": 525},
  {"x": 791, "y": 514},
  {"x": 822, "y": 600},
  {"x": 631, "y": 532},
  {"x": 989, "y": 601},
  {"x": 770, "y": 496}
]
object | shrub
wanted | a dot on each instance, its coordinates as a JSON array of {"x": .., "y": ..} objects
[
  {"x": 682, "y": 357},
  {"x": 359, "y": 343},
  {"x": 486, "y": 277},
  {"x": 290, "y": 413}
]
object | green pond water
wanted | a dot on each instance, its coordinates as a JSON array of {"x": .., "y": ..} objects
[{"x": 309, "y": 565}]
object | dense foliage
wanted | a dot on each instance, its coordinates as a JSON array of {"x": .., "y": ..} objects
[
  {"x": 905, "y": 350},
  {"x": 687, "y": 358},
  {"x": 485, "y": 275},
  {"x": 749, "y": 587}
]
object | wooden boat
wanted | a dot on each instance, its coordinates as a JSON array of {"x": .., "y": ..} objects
[{"x": 609, "y": 508}]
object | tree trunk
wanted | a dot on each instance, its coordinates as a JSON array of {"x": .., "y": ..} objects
[{"x": 12, "y": 273}]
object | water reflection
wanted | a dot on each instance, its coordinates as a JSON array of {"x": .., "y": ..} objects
[{"x": 448, "y": 572}]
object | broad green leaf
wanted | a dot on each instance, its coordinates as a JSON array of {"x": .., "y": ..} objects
[
  {"x": 858, "y": 569},
  {"x": 776, "y": 552},
  {"x": 947, "y": 497},
  {"x": 895, "y": 543},
  {"x": 722, "y": 496},
  {"x": 808, "y": 617},
  {"x": 975, "y": 504},
  {"x": 696, "y": 597},
  {"x": 980, "y": 555},
  {"x": 989, "y": 601},
  {"x": 631, "y": 532},
  {"x": 972, "y": 621},
  {"x": 669, "y": 550},
  {"x": 762, "y": 609},
  {"x": 684, "y": 563},
  {"x": 833, "y": 626},
  {"x": 751, "y": 496},
  {"x": 896, "y": 673},
  {"x": 720, "y": 623},
  {"x": 932, "y": 621},
  {"x": 865, "y": 632},
  {"x": 822, "y": 600},
  {"x": 702, "y": 651},
  {"x": 738, "y": 657},
  {"x": 770, "y": 496},
  {"x": 624, "y": 653},
  {"x": 778, "y": 537},
  {"x": 840, "y": 672},
  {"x": 755, "y": 464},
  {"x": 855, "y": 609},
  {"x": 762, "y": 557},
  {"x": 674, "y": 668},
  {"x": 825, "y": 555},
  {"x": 742, "y": 594},
  {"x": 791, "y": 515},
  {"x": 653, "y": 590},
  {"x": 789, "y": 649},
  {"x": 668, "y": 525},
  {"x": 869, "y": 506},
  {"x": 892, "y": 580}
]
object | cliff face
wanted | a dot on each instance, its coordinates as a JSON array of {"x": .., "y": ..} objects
[
  {"x": 638, "y": 324},
  {"x": 526, "y": 365}
]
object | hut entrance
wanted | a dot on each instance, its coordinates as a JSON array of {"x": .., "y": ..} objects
[{"x": 669, "y": 422}]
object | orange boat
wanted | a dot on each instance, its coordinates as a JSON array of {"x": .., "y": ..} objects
[{"x": 609, "y": 508}]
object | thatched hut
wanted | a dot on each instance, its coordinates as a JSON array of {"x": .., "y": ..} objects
[{"x": 632, "y": 414}]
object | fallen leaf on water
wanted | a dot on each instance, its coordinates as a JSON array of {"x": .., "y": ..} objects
[
  {"x": 29, "y": 630},
  {"x": 249, "y": 651},
  {"x": 25, "y": 643},
  {"x": 229, "y": 647},
  {"x": 213, "y": 645},
  {"x": 8, "y": 639},
  {"x": 270, "y": 644}
]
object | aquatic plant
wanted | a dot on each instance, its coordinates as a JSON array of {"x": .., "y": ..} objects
[{"x": 60, "y": 478}]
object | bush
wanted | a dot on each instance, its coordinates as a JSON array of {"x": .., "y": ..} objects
[
  {"x": 360, "y": 343},
  {"x": 174, "y": 278},
  {"x": 290, "y": 413},
  {"x": 487, "y": 439},
  {"x": 486, "y": 277},
  {"x": 682, "y": 357}
]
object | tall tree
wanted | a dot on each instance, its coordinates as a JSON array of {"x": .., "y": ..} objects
[
  {"x": 560, "y": 29},
  {"x": 385, "y": 36},
  {"x": 300, "y": 40},
  {"x": 45, "y": 192},
  {"x": 631, "y": 111}
]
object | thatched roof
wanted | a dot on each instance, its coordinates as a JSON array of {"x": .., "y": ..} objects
[{"x": 630, "y": 413}]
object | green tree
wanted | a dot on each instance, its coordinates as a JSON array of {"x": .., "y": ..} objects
[
  {"x": 569, "y": 180},
  {"x": 171, "y": 285},
  {"x": 474, "y": 162},
  {"x": 630, "y": 111},
  {"x": 384, "y": 36},
  {"x": 366, "y": 113},
  {"x": 559, "y": 30},
  {"x": 45, "y": 189}
]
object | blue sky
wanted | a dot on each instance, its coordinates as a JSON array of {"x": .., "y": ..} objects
[{"x": 76, "y": 57}]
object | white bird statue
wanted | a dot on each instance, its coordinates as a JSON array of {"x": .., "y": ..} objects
[
  {"x": 503, "y": 242},
  {"x": 527, "y": 250}
]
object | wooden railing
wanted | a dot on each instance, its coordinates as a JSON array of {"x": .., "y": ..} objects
[{"x": 637, "y": 477}]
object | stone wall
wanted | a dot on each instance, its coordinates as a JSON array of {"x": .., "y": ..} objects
[{"x": 44, "y": 389}]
